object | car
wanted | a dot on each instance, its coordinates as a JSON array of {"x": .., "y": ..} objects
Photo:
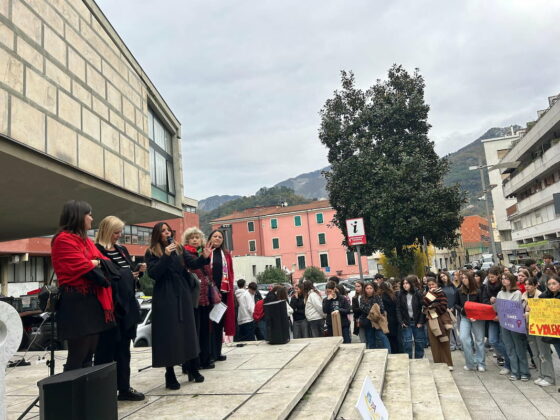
[
  {"x": 144, "y": 328},
  {"x": 321, "y": 287},
  {"x": 486, "y": 265}
]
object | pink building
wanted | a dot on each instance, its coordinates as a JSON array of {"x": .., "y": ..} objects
[{"x": 298, "y": 236}]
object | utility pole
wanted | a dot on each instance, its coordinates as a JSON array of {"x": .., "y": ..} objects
[{"x": 488, "y": 215}]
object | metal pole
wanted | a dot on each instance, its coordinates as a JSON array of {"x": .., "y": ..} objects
[
  {"x": 360, "y": 262},
  {"x": 488, "y": 216}
]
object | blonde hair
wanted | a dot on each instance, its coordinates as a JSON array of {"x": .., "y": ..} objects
[
  {"x": 189, "y": 233},
  {"x": 107, "y": 227}
]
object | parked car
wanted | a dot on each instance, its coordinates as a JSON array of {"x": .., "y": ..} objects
[
  {"x": 486, "y": 265},
  {"x": 144, "y": 328}
]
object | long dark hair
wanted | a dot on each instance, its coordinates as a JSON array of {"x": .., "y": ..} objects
[
  {"x": 386, "y": 289},
  {"x": 472, "y": 287},
  {"x": 223, "y": 246},
  {"x": 410, "y": 279},
  {"x": 72, "y": 218},
  {"x": 156, "y": 245}
]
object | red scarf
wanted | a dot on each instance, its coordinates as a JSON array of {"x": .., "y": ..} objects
[{"x": 71, "y": 258}]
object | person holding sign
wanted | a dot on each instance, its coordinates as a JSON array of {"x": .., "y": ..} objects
[
  {"x": 439, "y": 322},
  {"x": 515, "y": 342},
  {"x": 335, "y": 302},
  {"x": 553, "y": 292}
]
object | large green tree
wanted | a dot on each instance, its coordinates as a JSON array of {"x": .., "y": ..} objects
[{"x": 384, "y": 167}]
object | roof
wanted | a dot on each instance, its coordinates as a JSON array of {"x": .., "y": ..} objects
[{"x": 273, "y": 210}]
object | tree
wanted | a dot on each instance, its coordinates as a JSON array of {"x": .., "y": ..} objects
[
  {"x": 146, "y": 285},
  {"x": 384, "y": 167},
  {"x": 314, "y": 274},
  {"x": 272, "y": 275}
]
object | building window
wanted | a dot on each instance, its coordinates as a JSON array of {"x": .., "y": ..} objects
[
  {"x": 275, "y": 243},
  {"x": 297, "y": 220},
  {"x": 350, "y": 258},
  {"x": 299, "y": 240},
  {"x": 324, "y": 260},
  {"x": 319, "y": 218},
  {"x": 251, "y": 226},
  {"x": 322, "y": 239},
  {"x": 301, "y": 262},
  {"x": 161, "y": 160},
  {"x": 254, "y": 270},
  {"x": 278, "y": 262},
  {"x": 274, "y": 223},
  {"x": 252, "y": 246}
]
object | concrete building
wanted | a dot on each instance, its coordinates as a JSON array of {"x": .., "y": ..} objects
[
  {"x": 535, "y": 183},
  {"x": 297, "y": 237},
  {"x": 249, "y": 266},
  {"x": 79, "y": 119},
  {"x": 475, "y": 233}
]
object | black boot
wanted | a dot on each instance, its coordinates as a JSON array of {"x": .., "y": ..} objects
[
  {"x": 170, "y": 379},
  {"x": 196, "y": 376}
]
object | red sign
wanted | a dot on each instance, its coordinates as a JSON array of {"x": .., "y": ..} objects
[
  {"x": 356, "y": 231},
  {"x": 480, "y": 311}
]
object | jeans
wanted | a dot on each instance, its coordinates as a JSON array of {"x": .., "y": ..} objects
[
  {"x": 362, "y": 335},
  {"x": 516, "y": 348},
  {"x": 475, "y": 328},
  {"x": 455, "y": 337},
  {"x": 542, "y": 357},
  {"x": 413, "y": 333},
  {"x": 300, "y": 328},
  {"x": 376, "y": 339},
  {"x": 316, "y": 327},
  {"x": 260, "y": 329},
  {"x": 495, "y": 339},
  {"x": 246, "y": 331}
]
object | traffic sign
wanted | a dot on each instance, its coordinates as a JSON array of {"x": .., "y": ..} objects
[{"x": 356, "y": 231}]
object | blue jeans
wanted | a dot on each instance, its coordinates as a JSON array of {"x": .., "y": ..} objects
[
  {"x": 413, "y": 333},
  {"x": 246, "y": 332},
  {"x": 376, "y": 339},
  {"x": 495, "y": 339},
  {"x": 516, "y": 347},
  {"x": 475, "y": 328}
]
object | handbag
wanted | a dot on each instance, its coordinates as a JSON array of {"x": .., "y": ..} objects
[
  {"x": 214, "y": 294},
  {"x": 49, "y": 296}
]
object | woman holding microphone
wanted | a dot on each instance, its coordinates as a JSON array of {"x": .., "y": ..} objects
[{"x": 174, "y": 333}]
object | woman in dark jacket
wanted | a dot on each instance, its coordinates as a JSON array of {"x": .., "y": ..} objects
[
  {"x": 374, "y": 335},
  {"x": 553, "y": 292},
  {"x": 114, "y": 344},
  {"x": 359, "y": 289},
  {"x": 297, "y": 302},
  {"x": 390, "y": 304},
  {"x": 174, "y": 334},
  {"x": 452, "y": 297},
  {"x": 410, "y": 318},
  {"x": 337, "y": 302}
]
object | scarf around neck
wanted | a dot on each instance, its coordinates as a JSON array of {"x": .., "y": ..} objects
[{"x": 224, "y": 284}]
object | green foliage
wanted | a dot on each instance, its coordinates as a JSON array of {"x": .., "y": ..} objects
[
  {"x": 314, "y": 274},
  {"x": 264, "y": 197},
  {"x": 272, "y": 275},
  {"x": 384, "y": 167},
  {"x": 146, "y": 284}
]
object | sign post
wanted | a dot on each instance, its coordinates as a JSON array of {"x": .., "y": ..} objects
[{"x": 357, "y": 237}]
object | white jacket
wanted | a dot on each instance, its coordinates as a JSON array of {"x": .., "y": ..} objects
[
  {"x": 246, "y": 307},
  {"x": 314, "y": 307}
]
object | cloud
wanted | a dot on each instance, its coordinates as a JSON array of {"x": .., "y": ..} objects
[{"x": 248, "y": 78}]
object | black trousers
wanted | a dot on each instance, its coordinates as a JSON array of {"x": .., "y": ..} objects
[
  {"x": 204, "y": 339},
  {"x": 114, "y": 346},
  {"x": 80, "y": 351}
]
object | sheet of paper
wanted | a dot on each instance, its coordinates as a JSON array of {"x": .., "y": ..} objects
[{"x": 218, "y": 312}]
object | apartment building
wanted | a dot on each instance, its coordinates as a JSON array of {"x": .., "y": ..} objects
[{"x": 475, "y": 234}]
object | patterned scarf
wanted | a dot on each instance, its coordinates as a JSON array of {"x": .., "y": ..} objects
[{"x": 224, "y": 286}]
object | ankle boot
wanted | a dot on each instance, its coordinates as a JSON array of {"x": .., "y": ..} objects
[
  {"x": 195, "y": 376},
  {"x": 171, "y": 380}
]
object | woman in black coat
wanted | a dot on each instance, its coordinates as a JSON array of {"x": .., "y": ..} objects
[
  {"x": 174, "y": 334},
  {"x": 390, "y": 304},
  {"x": 410, "y": 318}
]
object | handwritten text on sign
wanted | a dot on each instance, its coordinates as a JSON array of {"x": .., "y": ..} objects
[
  {"x": 544, "y": 317},
  {"x": 512, "y": 315}
]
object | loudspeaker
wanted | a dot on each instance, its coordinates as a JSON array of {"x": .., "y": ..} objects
[
  {"x": 81, "y": 394},
  {"x": 277, "y": 322}
]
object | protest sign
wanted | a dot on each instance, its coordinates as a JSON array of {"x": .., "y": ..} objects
[
  {"x": 512, "y": 315},
  {"x": 369, "y": 403},
  {"x": 544, "y": 317},
  {"x": 480, "y": 311}
]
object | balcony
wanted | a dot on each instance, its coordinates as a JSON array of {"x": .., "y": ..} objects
[
  {"x": 511, "y": 210},
  {"x": 539, "y": 199},
  {"x": 537, "y": 231},
  {"x": 533, "y": 170}
]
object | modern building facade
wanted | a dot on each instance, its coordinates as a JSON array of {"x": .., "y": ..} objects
[
  {"x": 79, "y": 119},
  {"x": 475, "y": 233},
  {"x": 297, "y": 236},
  {"x": 535, "y": 183}
]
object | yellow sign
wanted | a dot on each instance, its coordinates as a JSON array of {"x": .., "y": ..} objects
[{"x": 544, "y": 317}]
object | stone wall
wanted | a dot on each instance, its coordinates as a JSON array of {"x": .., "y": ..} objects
[{"x": 69, "y": 89}]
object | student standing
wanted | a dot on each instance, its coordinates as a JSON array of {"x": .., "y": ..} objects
[
  {"x": 452, "y": 295},
  {"x": 375, "y": 337},
  {"x": 435, "y": 310},
  {"x": 356, "y": 300},
  {"x": 313, "y": 309},
  {"x": 410, "y": 318},
  {"x": 335, "y": 302},
  {"x": 297, "y": 303}
]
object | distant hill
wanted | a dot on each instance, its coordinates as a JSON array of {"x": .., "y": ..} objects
[
  {"x": 211, "y": 203},
  {"x": 309, "y": 185}
]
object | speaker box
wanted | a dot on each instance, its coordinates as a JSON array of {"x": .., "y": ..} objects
[
  {"x": 277, "y": 322},
  {"x": 81, "y": 394}
]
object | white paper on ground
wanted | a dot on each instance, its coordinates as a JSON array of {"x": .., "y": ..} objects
[
  {"x": 218, "y": 312},
  {"x": 369, "y": 404}
]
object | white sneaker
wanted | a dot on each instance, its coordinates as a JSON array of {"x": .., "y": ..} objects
[
  {"x": 504, "y": 371},
  {"x": 538, "y": 381},
  {"x": 481, "y": 369},
  {"x": 450, "y": 368},
  {"x": 468, "y": 368},
  {"x": 544, "y": 382}
]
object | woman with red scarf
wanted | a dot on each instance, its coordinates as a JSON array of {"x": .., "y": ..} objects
[
  {"x": 221, "y": 266},
  {"x": 85, "y": 308}
]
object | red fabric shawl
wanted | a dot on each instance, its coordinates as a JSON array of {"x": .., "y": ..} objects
[
  {"x": 71, "y": 258},
  {"x": 229, "y": 325}
]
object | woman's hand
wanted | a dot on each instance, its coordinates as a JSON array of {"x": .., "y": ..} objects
[
  {"x": 208, "y": 249},
  {"x": 142, "y": 267},
  {"x": 95, "y": 263},
  {"x": 170, "y": 248},
  {"x": 419, "y": 325},
  {"x": 492, "y": 300}
]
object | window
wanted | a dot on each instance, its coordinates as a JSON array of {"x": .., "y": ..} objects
[
  {"x": 252, "y": 246},
  {"x": 297, "y": 220},
  {"x": 278, "y": 262},
  {"x": 299, "y": 240},
  {"x": 275, "y": 243},
  {"x": 274, "y": 223},
  {"x": 350, "y": 258},
  {"x": 251, "y": 226},
  {"x": 254, "y": 270},
  {"x": 319, "y": 217},
  {"x": 324, "y": 260},
  {"x": 322, "y": 239},
  {"x": 301, "y": 262},
  {"x": 161, "y": 160}
]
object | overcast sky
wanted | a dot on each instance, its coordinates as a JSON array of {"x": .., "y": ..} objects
[{"x": 248, "y": 78}]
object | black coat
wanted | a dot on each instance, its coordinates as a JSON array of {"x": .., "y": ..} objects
[
  {"x": 402, "y": 309},
  {"x": 298, "y": 305},
  {"x": 174, "y": 335},
  {"x": 340, "y": 304},
  {"x": 464, "y": 298},
  {"x": 391, "y": 310}
]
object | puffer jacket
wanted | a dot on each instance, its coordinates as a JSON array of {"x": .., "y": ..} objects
[{"x": 314, "y": 306}]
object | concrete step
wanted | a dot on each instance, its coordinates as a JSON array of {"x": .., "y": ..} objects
[
  {"x": 396, "y": 389},
  {"x": 452, "y": 403},
  {"x": 281, "y": 393},
  {"x": 327, "y": 393},
  {"x": 373, "y": 364},
  {"x": 425, "y": 398}
]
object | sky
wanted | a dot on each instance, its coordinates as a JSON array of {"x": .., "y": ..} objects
[{"x": 248, "y": 78}]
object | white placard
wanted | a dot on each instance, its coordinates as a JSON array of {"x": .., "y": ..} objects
[
  {"x": 369, "y": 404},
  {"x": 218, "y": 312}
]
